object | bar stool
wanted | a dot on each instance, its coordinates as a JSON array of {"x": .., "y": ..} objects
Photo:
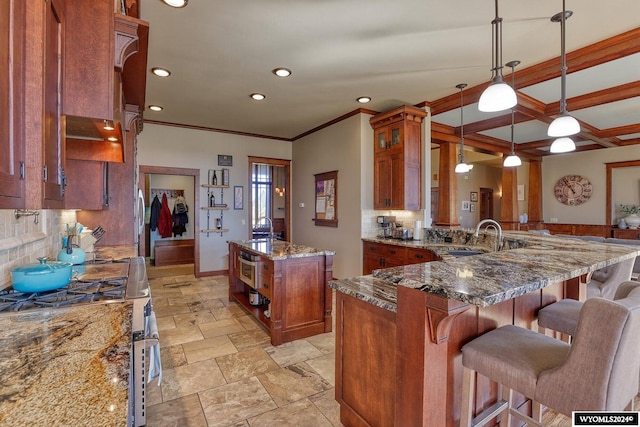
[
  {"x": 562, "y": 316},
  {"x": 599, "y": 371}
]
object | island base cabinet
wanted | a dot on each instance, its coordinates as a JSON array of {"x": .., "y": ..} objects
[
  {"x": 405, "y": 368},
  {"x": 300, "y": 297},
  {"x": 365, "y": 362}
]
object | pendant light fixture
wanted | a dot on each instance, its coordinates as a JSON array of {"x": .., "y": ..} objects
[
  {"x": 462, "y": 167},
  {"x": 512, "y": 160},
  {"x": 564, "y": 125},
  {"x": 498, "y": 95}
]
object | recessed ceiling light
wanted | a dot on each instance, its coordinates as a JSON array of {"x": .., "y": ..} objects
[
  {"x": 282, "y": 72},
  {"x": 257, "y": 96},
  {"x": 108, "y": 125},
  {"x": 364, "y": 99},
  {"x": 155, "y": 108},
  {"x": 176, "y": 3},
  {"x": 161, "y": 72}
]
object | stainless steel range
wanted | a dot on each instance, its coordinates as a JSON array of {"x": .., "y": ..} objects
[{"x": 103, "y": 282}]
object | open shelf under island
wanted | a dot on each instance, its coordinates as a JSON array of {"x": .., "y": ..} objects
[
  {"x": 294, "y": 298},
  {"x": 400, "y": 330}
]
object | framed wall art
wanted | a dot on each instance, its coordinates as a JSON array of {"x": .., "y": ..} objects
[
  {"x": 473, "y": 196},
  {"x": 472, "y": 207},
  {"x": 225, "y": 160},
  {"x": 238, "y": 197},
  {"x": 326, "y": 199},
  {"x": 465, "y": 205}
]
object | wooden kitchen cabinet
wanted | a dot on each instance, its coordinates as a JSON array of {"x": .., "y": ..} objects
[
  {"x": 382, "y": 255},
  {"x": 625, "y": 234},
  {"x": 98, "y": 42},
  {"x": 12, "y": 80},
  {"x": 397, "y": 158},
  {"x": 54, "y": 121},
  {"x": 300, "y": 299},
  {"x": 87, "y": 185}
]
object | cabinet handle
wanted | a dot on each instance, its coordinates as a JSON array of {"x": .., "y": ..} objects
[
  {"x": 419, "y": 256},
  {"x": 265, "y": 267},
  {"x": 392, "y": 251},
  {"x": 265, "y": 285}
]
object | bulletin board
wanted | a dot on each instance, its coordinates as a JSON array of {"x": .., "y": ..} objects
[{"x": 326, "y": 199}]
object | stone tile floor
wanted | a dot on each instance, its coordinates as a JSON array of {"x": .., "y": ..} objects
[{"x": 219, "y": 368}]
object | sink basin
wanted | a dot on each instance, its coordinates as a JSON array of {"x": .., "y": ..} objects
[{"x": 463, "y": 252}]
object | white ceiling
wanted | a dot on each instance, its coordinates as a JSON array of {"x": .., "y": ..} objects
[{"x": 401, "y": 52}]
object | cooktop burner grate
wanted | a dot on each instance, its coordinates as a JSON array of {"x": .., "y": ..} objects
[{"x": 76, "y": 292}]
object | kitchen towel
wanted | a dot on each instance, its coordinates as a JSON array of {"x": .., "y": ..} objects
[{"x": 155, "y": 364}]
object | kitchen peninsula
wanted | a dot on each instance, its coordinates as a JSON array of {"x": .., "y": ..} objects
[
  {"x": 283, "y": 285},
  {"x": 400, "y": 330}
]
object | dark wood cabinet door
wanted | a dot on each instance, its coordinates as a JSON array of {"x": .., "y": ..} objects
[
  {"x": 54, "y": 127},
  {"x": 12, "y": 49},
  {"x": 87, "y": 185},
  {"x": 382, "y": 182},
  {"x": 89, "y": 61},
  {"x": 370, "y": 262},
  {"x": 397, "y": 199}
]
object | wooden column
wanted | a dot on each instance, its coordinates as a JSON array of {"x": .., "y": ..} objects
[
  {"x": 448, "y": 186},
  {"x": 509, "y": 210},
  {"x": 534, "y": 204}
]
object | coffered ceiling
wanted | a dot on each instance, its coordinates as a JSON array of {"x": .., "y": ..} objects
[{"x": 402, "y": 52}]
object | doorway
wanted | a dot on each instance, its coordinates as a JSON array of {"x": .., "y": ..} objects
[
  {"x": 486, "y": 203},
  {"x": 144, "y": 174},
  {"x": 269, "y": 196}
]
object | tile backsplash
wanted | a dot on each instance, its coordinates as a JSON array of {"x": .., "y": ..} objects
[
  {"x": 22, "y": 241},
  {"x": 370, "y": 220}
]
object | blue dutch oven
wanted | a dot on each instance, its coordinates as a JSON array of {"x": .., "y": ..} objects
[{"x": 43, "y": 276}]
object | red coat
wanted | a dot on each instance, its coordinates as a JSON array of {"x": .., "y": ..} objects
[{"x": 165, "y": 223}]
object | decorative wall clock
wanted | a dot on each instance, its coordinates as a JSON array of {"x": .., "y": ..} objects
[{"x": 572, "y": 190}]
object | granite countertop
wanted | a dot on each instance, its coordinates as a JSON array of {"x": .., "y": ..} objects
[
  {"x": 279, "y": 249},
  {"x": 490, "y": 278},
  {"x": 59, "y": 367},
  {"x": 114, "y": 252}
]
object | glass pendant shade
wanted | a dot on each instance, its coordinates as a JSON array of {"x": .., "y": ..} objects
[
  {"x": 563, "y": 125},
  {"x": 512, "y": 161},
  {"x": 497, "y": 96},
  {"x": 462, "y": 167},
  {"x": 562, "y": 145}
]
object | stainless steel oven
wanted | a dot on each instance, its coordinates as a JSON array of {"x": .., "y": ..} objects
[
  {"x": 145, "y": 355},
  {"x": 248, "y": 268}
]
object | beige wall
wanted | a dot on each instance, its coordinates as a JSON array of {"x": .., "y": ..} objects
[
  {"x": 195, "y": 149},
  {"x": 344, "y": 147},
  {"x": 591, "y": 165}
]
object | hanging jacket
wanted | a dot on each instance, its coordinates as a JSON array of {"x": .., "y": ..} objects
[
  {"x": 165, "y": 222},
  {"x": 180, "y": 217},
  {"x": 155, "y": 213}
]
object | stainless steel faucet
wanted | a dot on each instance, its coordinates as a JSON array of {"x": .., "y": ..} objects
[
  {"x": 492, "y": 224},
  {"x": 270, "y": 225}
]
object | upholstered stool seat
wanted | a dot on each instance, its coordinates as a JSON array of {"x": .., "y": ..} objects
[
  {"x": 562, "y": 316},
  {"x": 598, "y": 372}
]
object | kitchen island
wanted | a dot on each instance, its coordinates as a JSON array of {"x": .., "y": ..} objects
[
  {"x": 283, "y": 285},
  {"x": 400, "y": 330},
  {"x": 61, "y": 367}
]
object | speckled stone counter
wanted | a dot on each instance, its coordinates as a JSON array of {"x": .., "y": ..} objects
[
  {"x": 115, "y": 252},
  {"x": 489, "y": 278},
  {"x": 61, "y": 367},
  {"x": 278, "y": 249}
]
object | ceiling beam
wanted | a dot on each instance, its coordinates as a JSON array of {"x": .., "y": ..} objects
[
  {"x": 604, "y": 96},
  {"x": 615, "y": 47},
  {"x": 492, "y": 123},
  {"x": 620, "y": 130}
]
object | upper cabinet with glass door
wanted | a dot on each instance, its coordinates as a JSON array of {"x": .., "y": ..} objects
[{"x": 390, "y": 137}]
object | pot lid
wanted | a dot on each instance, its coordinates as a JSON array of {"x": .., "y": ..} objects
[{"x": 43, "y": 267}]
